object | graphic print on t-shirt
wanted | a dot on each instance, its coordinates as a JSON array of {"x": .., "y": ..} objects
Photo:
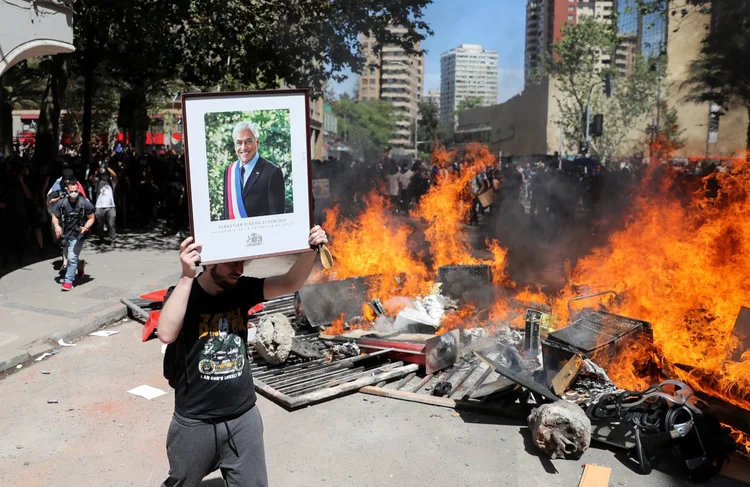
[{"x": 224, "y": 353}]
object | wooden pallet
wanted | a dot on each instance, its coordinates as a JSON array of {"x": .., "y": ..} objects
[
  {"x": 475, "y": 387},
  {"x": 300, "y": 383}
]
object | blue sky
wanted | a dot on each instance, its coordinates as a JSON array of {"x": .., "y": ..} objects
[{"x": 495, "y": 24}]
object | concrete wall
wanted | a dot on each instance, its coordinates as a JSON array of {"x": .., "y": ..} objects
[
  {"x": 684, "y": 46},
  {"x": 523, "y": 125},
  {"x": 31, "y": 29}
]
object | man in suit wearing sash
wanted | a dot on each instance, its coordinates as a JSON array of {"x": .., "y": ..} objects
[{"x": 253, "y": 186}]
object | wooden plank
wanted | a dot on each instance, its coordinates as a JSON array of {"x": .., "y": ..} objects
[
  {"x": 422, "y": 383},
  {"x": 478, "y": 383},
  {"x": 317, "y": 396},
  {"x": 566, "y": 375},
  {"x": 595, "y": 476},
  {"x": 405, "y": 380},
  {"x": 513, "y": 411},
  {"x": 463, "y": 378}
]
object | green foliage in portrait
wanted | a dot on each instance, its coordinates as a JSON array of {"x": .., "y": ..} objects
[{"x": 275, "y": 146}]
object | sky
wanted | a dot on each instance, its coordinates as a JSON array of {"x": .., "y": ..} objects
[{"x": 495, "y": 24}]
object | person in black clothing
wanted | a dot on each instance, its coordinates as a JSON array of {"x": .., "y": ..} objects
[{"x": 204, "y": 320}]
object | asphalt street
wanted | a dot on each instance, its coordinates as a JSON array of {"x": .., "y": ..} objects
[{"x": 98, "y": 433}]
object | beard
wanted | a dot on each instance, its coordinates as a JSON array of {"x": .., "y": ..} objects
[{"x": 222, "y": 281}]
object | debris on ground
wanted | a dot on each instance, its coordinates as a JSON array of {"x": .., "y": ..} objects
[
  {"x": 560, "y": 429},
  {"x": 46, "y": 354},
  {"x": 147, "y": 392},
  {"x": 53, "y": 401},
  {"x": 595, "y": 476},
  {"x": 274, "y": 338},
  {"x": 104, "y": 333},
  {"x": 62, "y": 343}
]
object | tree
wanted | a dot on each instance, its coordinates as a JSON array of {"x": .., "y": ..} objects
[
  {"x": 297, "y": 42},
  {"x": 575, "y": 67},
  {"x": 48, "y": 124},
  {"x": 721, "y": 74},
  {"x": 468, "y": 103},
  {"x": 428, "y": 124},
  {"x": 365, "y": 125}
]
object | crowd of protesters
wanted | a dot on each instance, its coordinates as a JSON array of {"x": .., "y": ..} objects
[{"x": 52, "y": 206}]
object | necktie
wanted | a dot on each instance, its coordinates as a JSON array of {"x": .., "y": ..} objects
[{"x": 242, "y": 178}]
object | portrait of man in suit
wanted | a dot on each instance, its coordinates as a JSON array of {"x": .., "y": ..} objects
[{"x": 253, "y": 186}]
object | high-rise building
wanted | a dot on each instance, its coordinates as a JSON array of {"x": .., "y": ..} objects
[
  {"x": 641, "y": 34},
  {"x": 544, "y": 22},
  {"x": 468, "y": 71},
  {"x": 393, "y": 75},
  {"x": 433, "y": 96}
]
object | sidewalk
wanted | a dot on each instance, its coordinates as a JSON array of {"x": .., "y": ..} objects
[{"x": 35, "y": 313}]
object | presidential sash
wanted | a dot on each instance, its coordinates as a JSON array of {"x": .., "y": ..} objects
[{"x": 233, "y": 183}]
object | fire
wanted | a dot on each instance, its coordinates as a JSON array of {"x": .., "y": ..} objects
[
  {"x": 445, "y": 207},
  {"x": 684, "y": 268},
  {"x": 375, "y": 245},
  {"x": 742, "y": 439},
  {"x": 338, "y": 326}
]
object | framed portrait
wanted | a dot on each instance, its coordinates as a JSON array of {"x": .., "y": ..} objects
[{"x": 249, "y": 184}]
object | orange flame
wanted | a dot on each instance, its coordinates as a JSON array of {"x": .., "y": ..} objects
[
  {"x": 684, "y": 268},
  {"x": 742, "y": 439}
]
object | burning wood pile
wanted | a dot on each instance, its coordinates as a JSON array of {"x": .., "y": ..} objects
[{"x": 642, "y": 326}]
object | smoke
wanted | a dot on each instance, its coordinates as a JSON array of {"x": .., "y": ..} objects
[{"x": 569, "y": 213}]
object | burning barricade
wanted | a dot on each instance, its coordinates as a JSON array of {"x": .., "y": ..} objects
[{"x": 642, "y": 326}]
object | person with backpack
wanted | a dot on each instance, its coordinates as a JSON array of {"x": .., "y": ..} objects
[
  {"x": 216, "y": 424},
  {"x": 72, "y": 218}
]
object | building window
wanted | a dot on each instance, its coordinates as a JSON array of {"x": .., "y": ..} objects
[
  {"x": 570, "y": 17},
  {"x": 571, "y": 9}
]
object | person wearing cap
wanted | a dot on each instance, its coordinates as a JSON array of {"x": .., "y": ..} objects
[{"x": 253, "y": 186}]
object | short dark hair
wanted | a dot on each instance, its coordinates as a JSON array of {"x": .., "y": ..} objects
[{"x": 71, "y": 182}]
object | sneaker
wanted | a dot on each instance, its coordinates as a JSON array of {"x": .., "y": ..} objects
[
  {"x": 67, "y": 286},
  {"x": 80, "y": 271}
]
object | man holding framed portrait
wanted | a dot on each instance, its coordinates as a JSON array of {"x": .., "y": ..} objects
[{"x": 242, "y": 206}]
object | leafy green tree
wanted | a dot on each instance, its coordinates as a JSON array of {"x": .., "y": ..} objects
[
  {"x": 428, "y": 124},
  {"x": 275, "y": 146},
  {"x": 721, "y": 74},
  {"x": 366, "y": 125},
  {"x": 468, "y": 103},
  {"x": 575, "y": 68}
]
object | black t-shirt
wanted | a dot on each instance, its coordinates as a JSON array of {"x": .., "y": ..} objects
[
  {"x": 72, "y": 216},
  {"x": 216, "y": 381}
]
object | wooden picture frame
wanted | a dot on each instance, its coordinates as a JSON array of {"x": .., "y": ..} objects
[{"x": 249, "y": 175}]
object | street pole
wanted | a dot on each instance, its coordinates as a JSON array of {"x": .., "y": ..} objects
[
  {"x": 416, "y": 134},
  {"x": 588, "y": 118}
]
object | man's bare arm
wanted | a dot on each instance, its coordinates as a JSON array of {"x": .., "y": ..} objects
[{"x": 173, "y": 313}]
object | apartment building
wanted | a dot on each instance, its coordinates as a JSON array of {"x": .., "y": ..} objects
[
  {"x": 465, "y": 72},
  {"x": 395, "y": 76}
]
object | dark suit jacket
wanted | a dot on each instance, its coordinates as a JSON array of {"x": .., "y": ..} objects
[{"x": 263, "y": 193}]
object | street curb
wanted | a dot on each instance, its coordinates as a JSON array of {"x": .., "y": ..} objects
[{"x": 105, "y": 317}]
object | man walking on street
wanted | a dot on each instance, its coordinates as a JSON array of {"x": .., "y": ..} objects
[
  {"x": 72, "y": 218},
  {"x": 105, "y": 203},
  {"x": 216, "y": 424}
]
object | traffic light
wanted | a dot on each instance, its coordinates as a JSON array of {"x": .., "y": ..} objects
[
  {"x": 597, "y": 126},
  {"x": 608, "y": 84}
]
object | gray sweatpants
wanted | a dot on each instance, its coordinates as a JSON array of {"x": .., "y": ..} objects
[{"x": 196, "y": 448}]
